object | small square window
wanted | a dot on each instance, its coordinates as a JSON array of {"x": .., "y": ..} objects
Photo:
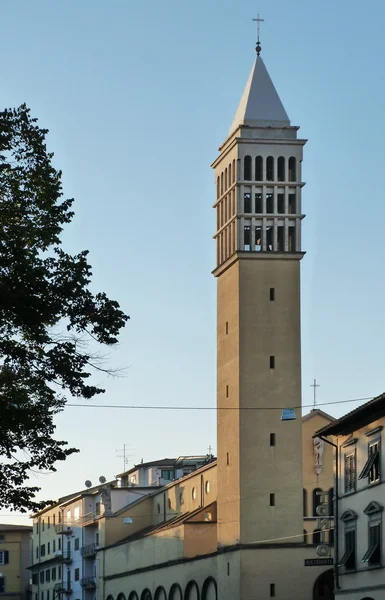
[{"x": 272, "y": 362}]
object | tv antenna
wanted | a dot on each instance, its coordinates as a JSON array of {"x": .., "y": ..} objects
[{"x": 122, "y": 453}]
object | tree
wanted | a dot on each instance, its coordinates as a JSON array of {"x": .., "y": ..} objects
[{"x": 47, "y": 311}]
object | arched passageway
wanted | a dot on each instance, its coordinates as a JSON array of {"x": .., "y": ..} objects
[{"x": 324, "y": 586}]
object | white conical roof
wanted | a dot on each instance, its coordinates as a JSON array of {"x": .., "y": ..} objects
[{"x": 260, "y": 103}]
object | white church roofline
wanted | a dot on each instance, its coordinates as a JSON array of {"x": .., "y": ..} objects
[{"x": 260, "y": 105}]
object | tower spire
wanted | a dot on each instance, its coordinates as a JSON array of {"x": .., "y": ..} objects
[{"x": 258, "y": 47}]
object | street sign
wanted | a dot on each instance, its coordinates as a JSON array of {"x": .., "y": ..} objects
[{"x": 318, "y": 562}]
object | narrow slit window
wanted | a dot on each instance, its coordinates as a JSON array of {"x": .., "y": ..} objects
[
  {"x": 292, "y": 169},
  {"x": 281, "y": 168},
  {"x": 272, "y": 590},
  {"x": 259, "y": 168},
  {"x": 228, "y": 568},
  {"x": 247, "y": 168},
  {"x": 234, "y": 171},
  {"x": 272, "y": 499},
  {"x": 230, "y": 176},
  {"x": 272, "y": 439},
  {"x": 292, "y": 204},
  {"x": 227, "y": 459},
  {"x": 292, "y": 247},
  {"x": 269, "y": 203},
  {"x": 226, "y": 179},
  {"x": 247, "y": 202},
  {"x": 227, "y": 328},
  {"x": 272, "y": 294},
  {"x": 258, "y": 239},
  {"x": 258, "y": 204},
  {"x": 222, "y": 190},
  {"x": 246, "y": 237},
  {"x": 272, "y": 362},
  {"x": 270, "y": 168},
  {"x": 281, "y": 203},
  {"x": 227, "y": 391}
]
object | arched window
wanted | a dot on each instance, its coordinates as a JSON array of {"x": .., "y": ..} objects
[
  {"x": 316, "y": 500},
  {"x": 331, "y": 502},
  {"x": 121, "y": 596},
  {"x": 230, "y": 180},
  {"x": 259, "y": 168},
  {"x": 270, "y": 168},
  {"x": 292, "y": 169},
  {"x": 221, "y": 184},
  {"x": 304, "y": 502},
  {"x": 226, "y": 179},
  {"x": 316, "y": 536},
  {"x": 247, "y": 168},
  {"x": 218, "y": 188},
  {"x": 281, "y": 168}
]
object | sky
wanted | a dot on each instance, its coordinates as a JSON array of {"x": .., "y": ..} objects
[{"x": 137, "y": 97}]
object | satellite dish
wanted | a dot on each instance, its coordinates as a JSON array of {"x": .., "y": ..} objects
[
  {"x": 88, "y": 483},
  {"x": 102, "y": 479}
]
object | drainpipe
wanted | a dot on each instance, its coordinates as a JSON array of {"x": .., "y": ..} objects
[{"x": 336, "y": 574}]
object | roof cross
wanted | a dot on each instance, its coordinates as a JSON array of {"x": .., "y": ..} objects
[{"x": 258, "y": 47}]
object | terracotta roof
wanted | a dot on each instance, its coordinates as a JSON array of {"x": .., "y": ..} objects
[{"x": 357, "y": 418}]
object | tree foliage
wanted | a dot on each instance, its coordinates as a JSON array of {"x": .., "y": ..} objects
[{"x": 47, "y": 311}]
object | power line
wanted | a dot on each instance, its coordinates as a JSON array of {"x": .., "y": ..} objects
[{"x": 143, "y": 407}]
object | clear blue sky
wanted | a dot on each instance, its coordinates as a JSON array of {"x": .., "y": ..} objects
[{"x": 137, "y": 97}]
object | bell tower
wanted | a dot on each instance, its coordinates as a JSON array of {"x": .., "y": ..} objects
[{"x": 258, "y": 242}]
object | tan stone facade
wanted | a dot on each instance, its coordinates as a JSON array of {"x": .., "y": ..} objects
[{"x": 14, "y": 560}]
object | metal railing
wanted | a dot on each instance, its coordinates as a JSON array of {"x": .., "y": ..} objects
[
  {"x": 62, "y": 528},
  {"x": 88, "y": 582},
  {"x": 89, "y": 550}
]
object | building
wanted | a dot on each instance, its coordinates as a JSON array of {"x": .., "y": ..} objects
[
  {"x": 14, "y": 560},
  {"x": 360, "y": 496},
  {"x": 161, "y": 472}
]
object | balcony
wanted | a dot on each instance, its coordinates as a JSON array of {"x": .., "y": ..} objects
[
  {"x": 62, "y": 588},
  {"x": 88, "y": 583},
  {"x": 89, "y": 550},
  {"x": 90, "y": 518},
  {"x": 62, "y": 556},
  {"x": 61, "y": 528}
]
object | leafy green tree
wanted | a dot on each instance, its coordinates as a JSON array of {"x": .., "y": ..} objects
[{"x": 47, "y": 311}]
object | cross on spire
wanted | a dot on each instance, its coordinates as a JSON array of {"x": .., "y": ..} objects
[
  {"x": 314, "y": 385},
  {"x": 258, "y": 46}
]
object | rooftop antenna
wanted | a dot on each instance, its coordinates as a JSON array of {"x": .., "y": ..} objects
[
  {"x": 122, "y": 453},
  {"x": 314, "y": 385},
  {"x": 258, "y": 47}
]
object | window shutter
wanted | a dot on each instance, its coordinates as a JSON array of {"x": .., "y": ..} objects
[{"x": 6, "y": 557}]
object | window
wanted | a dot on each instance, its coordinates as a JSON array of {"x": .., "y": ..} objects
[
  {"x": 59, "y": 517},
  {"x": 272, "y": 439},
  {"x": 227, "y": 327},
  {"x": 222, "y": 190},
  {"x": 246, "y": 237},
  {"x": 42, "y": 524},
  {"x": 37, "y": 552},
  {"x": 292, "y": 204},
  {"x": 304, "y": 495},
  {"x": 218, "y": 188},
  {"x": 168, "y": 474},
  {"x": 272, "y": 362},
  {"x": 372, "y": 465},
  {"x": 316, "y": 500},
  {"x": 270, "y": 168},
  {"x": 291, "y": 240},
  {"x": 53, "y": 546},
  {"x": 227, "y": 458},
  {"x": 269, "y": 203},
  {"x": 158, "y": 508},
  {"x": 272, "y": 499},
  {"x": 292, "y": 168},
  {"x": 373, "y": 555},
  {"x": 41, "y": 577},
  {"x": 53, "y": 575},
  {"x": 77, "y": 574},
  {"x": 59, "y": 572},
  {"x": 37, "y": 526},
  {"x": 42, "y": 550},
  {"x": 281, "y": 168},
  {"x": 258, "y": 203},
  {"x": 48, "y": 522},
  {"x": 97, "y": 534},
  {"x": 68, "y": 518},
  {"x": 77, "y": 513},
  {"x": 281, "y": 204},
  {"x": 269, "y": 238},
  {"x": 258, "y": 239},
  {"x": 230, "y": 176},
  {"x": 304, "y": 536},
  {"x": 169, "y": 503},
  {"x": 259, "y": 168},
  {"x": 349, "y": 558},
  {"x": 272, "y": 590},
  {"x": 226, "y": 179},
  {"x": 2, "y": 585},
  {"x": 48, "y": 575},
  {"x": 227, "y": 391},
  {"x": 247, "y": 168},
  {"x": 193, "y": 493},
  {"x": 97, "y": 508},
  {"x": 59, "y": 543},
  {"x": 247, "y": 202},
  {"x": 48, "y": 547},
  {"x": 272, "y": 294},
  {"x": 331, "y": 502},
  {"x": 53, "y": 520},
  {"x": 77, "y": 544},
  {"x": 47, "y": 594},
  {"x": 350, "y": 472},
  {"x": 316, "y": 536},
  {"x": 35, "y": 579}
]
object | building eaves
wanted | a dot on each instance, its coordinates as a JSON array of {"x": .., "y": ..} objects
[
  {"x": 10, "y": 527},
  {"x": 356, "y": 419},
  {"x": 316, "y": 411}
]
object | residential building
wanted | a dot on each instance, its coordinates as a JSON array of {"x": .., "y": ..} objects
[
  {"x": 360, "y": 496},
  {"x": 14, "y": 560},
  {"x": 161, "y": 472}
]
